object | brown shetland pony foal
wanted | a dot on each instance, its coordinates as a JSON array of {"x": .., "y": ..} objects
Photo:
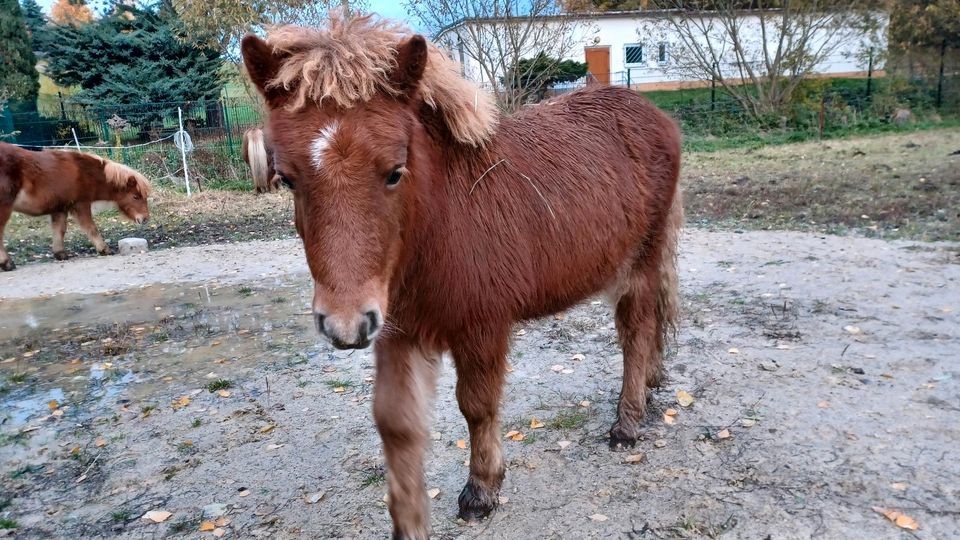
[
  {"x": 55, "y": 182},
  {"x": 433, "y": 225},
  {"x": 258, "y": 155}
]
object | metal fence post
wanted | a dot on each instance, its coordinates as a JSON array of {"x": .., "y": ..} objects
[
  {"x": 226, "y": 125},
  {"x": 870, "y": 74},
  {"x": 943, "y": 53},
  {"x": 713, "y": 87}
]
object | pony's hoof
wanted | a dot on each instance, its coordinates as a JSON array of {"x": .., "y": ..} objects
[
  {"x": 60, "y": 255},
  {"x": 475, "y": 503},
  {"x": 105, "y": 252},
  {"x": 8, "y": 266},
  {"x": 621, "y": 439}
]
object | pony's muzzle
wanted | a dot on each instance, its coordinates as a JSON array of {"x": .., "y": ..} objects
[{"x": 349, "y": 332}]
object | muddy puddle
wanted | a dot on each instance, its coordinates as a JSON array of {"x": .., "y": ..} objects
[{"x": 85, "y": 354}]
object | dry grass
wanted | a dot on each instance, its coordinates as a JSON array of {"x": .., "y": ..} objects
[{"x": 892, "y": 186}]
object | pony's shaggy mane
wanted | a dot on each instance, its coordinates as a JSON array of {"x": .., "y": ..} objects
[
  {"x": 117, "y": 175},
  {"x": 350, "y": 60}
]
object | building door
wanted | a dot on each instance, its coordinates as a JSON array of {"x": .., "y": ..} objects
[{"x": 598, "y": 63}]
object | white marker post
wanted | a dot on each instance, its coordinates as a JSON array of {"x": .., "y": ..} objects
[
  {"x": 183, "y": 151},
  {"x": 75, "y": 139}
]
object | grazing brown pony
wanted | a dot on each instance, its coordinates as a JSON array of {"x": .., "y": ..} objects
[
  {"x": 431, "y": 224},
  {"x": 57, "y": 182},
  {"x": 258, "y": 155}
]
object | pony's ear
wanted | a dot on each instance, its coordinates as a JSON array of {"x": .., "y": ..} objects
[
  {"x": 131, "y": 183},
  {"x": 411, "y": 62},
  {"x": 261, "y": 63}
]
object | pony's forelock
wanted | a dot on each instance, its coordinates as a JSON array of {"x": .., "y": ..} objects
[
  {"x": 117, "y": 175},
  {"x": 349, "y": 61}
]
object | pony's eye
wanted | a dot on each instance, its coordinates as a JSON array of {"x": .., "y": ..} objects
[
  {"x": 395, "y": 177},
  {"x": 136, "y": 197},
  {"x": 286, "y": 181}
]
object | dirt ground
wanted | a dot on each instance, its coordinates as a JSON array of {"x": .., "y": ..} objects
[{"x": 823, "y": 370}]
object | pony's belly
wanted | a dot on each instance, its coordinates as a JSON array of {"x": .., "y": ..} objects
[{"x": 24, "y": 203}]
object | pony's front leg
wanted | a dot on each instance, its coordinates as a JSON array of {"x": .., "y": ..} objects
[
  {"x": 481, "y": 369},
  {"x": 84, "y": 217},
  {"x": 58, "y": 224},
  {"x": 406, "y": 380},
  {"x": 6, "y": 263}
]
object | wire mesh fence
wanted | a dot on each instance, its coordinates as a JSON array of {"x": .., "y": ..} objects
[{"x": 140, "y": 135}]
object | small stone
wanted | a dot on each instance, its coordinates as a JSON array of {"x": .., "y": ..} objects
[{"x": 133, "y": 246}]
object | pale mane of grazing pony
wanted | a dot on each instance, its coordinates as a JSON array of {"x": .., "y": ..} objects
[
  {"x": 117, "y": 175},
  {"x": 350, "y": 60}
]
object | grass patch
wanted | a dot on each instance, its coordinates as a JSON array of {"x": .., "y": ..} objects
[
  {"x": 6, "y": 523},
  {"x": 245, "y": 292},
  {"x": 219, "y": 384},
  {"x": 196, "y": 423},
  {"x": 25, "y": 470},
  {"x": 279, "y": 300},
  {"x": 120, "y": 516},
  {"x": 568, "y": 419},
  {"x": 376, "y": 478},
  {"x": 184, "y": 525},
  {"x": 18, "y": 378},
  {"x": 339, "y": 383}
]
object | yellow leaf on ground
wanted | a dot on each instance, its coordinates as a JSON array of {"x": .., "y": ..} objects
[
  {"x": 432, "y": 493},
  {"x": 268, "y": 428},
  {"x": 157, "y": 516},
  {"x": 634, "y": 458},
  {"x": 668, "y": 420},
  {"x": 598, "y": 517},
  {"x": 180, "y": 403},
  {"x": 824, "y": 405},
  {"x": 536, "y": 424},
  {"x": 899, "y": 518},
  {"x": 53, "y": 404},
  {"x": 670, "y": 412},
  {"x": 660, "y": 443},
  {"x": 733, "y": 350},
  {"x": 339, "y": 390},
  {"x": 222, "y": 522},
  {"x": 223, "y": 393},
  {"x": 100, "y": 443},
  {"x": 461, "y": 444},
  {"x": 723, "y": 434},
  {"x": 207, "y": 526},
  {"x": 684, "y": 398},
  {"x": 514, "y": 436}
]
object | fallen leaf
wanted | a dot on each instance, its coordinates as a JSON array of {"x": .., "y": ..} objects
[
  {"x": 748, "y": 422},
  {"x": 723, "y": 434},
  {"x": 75, "y": 451},
  {"x": 339, "y": 390},
  {"x": 899, "y": 518},
  {"x": 222, "y": 522},
  {"x": 157, "y": 516},
  {"x": 668, "y": 420},
  {"x": 670, "y": 412},
  {"x": 557, "y": 368},
  {"x": 598, "y": 517},
  {"x": 218, "y": 532},
  {"x": 268, "y": 428},
  {"x": 563, "y": 444},
  {"x": 684, "y": 398},
  {"x": 536, "y": 424},
  {"x": 100, "y": 443},
  {"x": 567, "y": 371},
  {"x": 53, "y": 404},
  {"x": 660, "y": 443},
  {"x": 223, "y": 393},
  {"x": 207, "y": 526},
  {"x": 432, "y": 493},
  {"x": 854, "y": 330},
  {"x": 584, "y": 404},
  {"x": 733, "y": 350},
  {"x": 899, "y": 486},
  {"x": 461, "y": 444},
  {"x": 180, "y": 403},
  {"x": 823, "y": 405},
  {"x": 243, "y": 492},
  {"x": 274, "y": 446},
  {"x": 634, "y": 458},
  {"x": 503, "y": 500},
  {"x": 514, "y": 435},
  {"x": 521, "y": 332},
  {"x": 314, "y": 498},
  {"x": 578, "y": 357},
  {"x": 57, "y": 413}
]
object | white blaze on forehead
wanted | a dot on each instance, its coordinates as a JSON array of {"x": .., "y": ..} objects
[{"x": 322, "y": 143}]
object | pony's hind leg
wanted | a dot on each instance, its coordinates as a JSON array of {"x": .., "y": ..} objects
[
  {"x": 85, "y": 220},
  {"x": 481, "y": 368},
  {"x": 642, "y": 363},
  {"x": 6, "y": 263},
  {"x": 58, "y": 224},
  {"x": 403, "y": 391}
]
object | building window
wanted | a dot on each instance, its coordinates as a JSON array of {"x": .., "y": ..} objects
[
  {"x": 633, "y": 54},
  {"x": 662, "y": 56}
]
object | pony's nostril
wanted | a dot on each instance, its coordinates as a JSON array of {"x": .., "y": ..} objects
[
  {"x": 319, "y": 319},
  {"x": 373, "y": 322}
]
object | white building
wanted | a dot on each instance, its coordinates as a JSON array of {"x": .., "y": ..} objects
[{"x": 643, "y": 50}]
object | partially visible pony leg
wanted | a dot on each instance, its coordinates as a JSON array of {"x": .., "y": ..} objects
[
  {"x": 85, "y": 220},
  {"x": 6, "y": 209},
  {"x": 405, "y": 383},
  {"x": 481, "y": 369},
  {"x": 58, "y": 223}
]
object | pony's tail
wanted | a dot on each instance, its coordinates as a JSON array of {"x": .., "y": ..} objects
[
  {"x": 668, "y": 290},
  {"x": 255, "y": 153}
]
